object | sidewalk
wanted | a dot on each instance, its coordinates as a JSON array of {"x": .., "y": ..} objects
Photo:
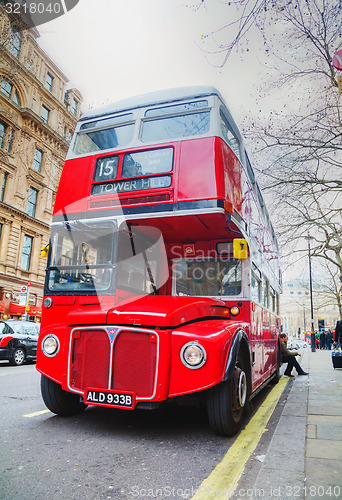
[{"x": 304, "y": 456}]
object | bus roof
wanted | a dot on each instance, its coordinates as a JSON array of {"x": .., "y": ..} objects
[{"x": 152, "y": 98}]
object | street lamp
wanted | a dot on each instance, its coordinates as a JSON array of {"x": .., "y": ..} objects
[{"x": 313, "y": 337}]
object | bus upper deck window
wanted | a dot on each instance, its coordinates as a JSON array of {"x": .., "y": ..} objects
[
  {"x": 176, "y": 108},
  {"x": 107, "y": 122},
  {"x": 93, "y": 136},
  {"x": 99, "y": 140},
  {"x": 175, "y": 127}
]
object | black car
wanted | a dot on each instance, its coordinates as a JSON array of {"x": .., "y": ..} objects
[{"x": 18, "y": 341}]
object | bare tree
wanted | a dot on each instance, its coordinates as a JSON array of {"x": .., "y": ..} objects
[
  {"x": 316, "y": 20},
  {"x": 299, "y": 145},
  {"x": 328, "y": 290}
]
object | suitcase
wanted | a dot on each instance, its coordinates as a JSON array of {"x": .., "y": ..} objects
[{"x": 336, "y": 359}]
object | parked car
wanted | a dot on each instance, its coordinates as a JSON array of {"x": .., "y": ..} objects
[
  {"x": 18, "y": 341},
  {"x": 296, "y": 344}
]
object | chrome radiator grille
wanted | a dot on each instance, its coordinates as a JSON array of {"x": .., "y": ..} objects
[{"x": 114, "y": 358}]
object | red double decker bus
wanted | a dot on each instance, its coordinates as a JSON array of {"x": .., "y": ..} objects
[{"x": 163, "y": 276}]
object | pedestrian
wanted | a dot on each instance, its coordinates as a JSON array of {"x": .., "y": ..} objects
[
  {"x": 338, "y": 332},
  {"x": 328, "y": 339},
  {"x": 322, "y": 340},
  {"x": 289, "y": 357}
]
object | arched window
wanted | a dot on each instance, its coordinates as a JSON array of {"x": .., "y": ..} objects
[{"x": 7, "y": 88}]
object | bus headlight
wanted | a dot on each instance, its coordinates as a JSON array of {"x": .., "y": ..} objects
[
  {"x": 50, "y": 345},
  {"x": 193, "y": 355}
]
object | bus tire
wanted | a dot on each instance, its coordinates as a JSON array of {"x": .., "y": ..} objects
[
  {"x": 58, "y": 401},
  {"x": 227, "y": 402}
]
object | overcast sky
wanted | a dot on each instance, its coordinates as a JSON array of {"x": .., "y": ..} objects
[{"x": 113, "y": 49}]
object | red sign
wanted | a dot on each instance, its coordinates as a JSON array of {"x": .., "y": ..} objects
[
  {"x": 29, "y": 283},
  {"x": 23, "y": 289},
  {"x": 189, "y": 250},
  {"x": 337, "y": 60}
]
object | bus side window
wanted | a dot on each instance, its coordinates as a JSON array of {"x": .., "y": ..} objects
[
  {"x": 265, "y": 292},
  {"x": 255, "y": 288},
  {"x": 277, "y": 304},
  {"x": 229, "y": 136},
  {"x": 273, "y": 300}
]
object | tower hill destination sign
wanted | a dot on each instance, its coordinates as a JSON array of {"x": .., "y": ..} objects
[{"x": 36, "y": 12}]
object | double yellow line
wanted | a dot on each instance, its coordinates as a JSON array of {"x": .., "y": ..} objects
[{"x": 224, "y": 479}]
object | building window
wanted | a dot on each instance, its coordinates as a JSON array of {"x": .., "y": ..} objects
[
  {"x": 74, "y": 107},
  {"x": 3, "y": 186},
  {"x": 15, "y": 43},
  {"x": 37, "y": 160},
  {"x": 3, "y": 128},
  {"x": 6, "y": 87},
  {"x": 10, "y": 140},
  {"x": 5, "y": 133},
  {"x": 32, "y": 202},
  {"x": 48, "y": 82},
  {"x": 45, "y": 114},
  {"x": 26, "y": 255},
  {"x": 16, "y": 98}
]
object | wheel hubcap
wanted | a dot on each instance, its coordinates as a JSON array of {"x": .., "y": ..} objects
[
  {"x": 239, "y": 389},
  {"x": 19, "y": 357},
  {"x": 242, "y": 389}
]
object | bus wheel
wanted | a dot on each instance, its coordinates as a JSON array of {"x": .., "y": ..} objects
[
  {"x": 59, "y": 401},
  {"x": 227, "y": 401}
]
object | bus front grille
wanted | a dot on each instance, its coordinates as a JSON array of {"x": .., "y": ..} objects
[
  {"x": 134, "y": 361},
  {"x": 90, "y": 359}
]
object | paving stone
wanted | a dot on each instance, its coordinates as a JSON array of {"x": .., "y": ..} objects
[
  {"x": 323, "y": 448},
  {"x": 311, "y": 431},
  {"x": 314, "y": 419},
  {"x": 318, "y": 408},
  {"x": 324, "y": 479},
  {"x": 329, "y": 430}
]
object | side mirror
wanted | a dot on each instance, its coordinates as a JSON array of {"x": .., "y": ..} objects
[{"x": 240, "y": 248}]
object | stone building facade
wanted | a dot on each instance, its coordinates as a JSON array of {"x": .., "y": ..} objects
[{"x": 38, "y": 115}]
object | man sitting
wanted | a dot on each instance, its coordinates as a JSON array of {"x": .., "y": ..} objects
[{"x": 289, "y": 357}]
